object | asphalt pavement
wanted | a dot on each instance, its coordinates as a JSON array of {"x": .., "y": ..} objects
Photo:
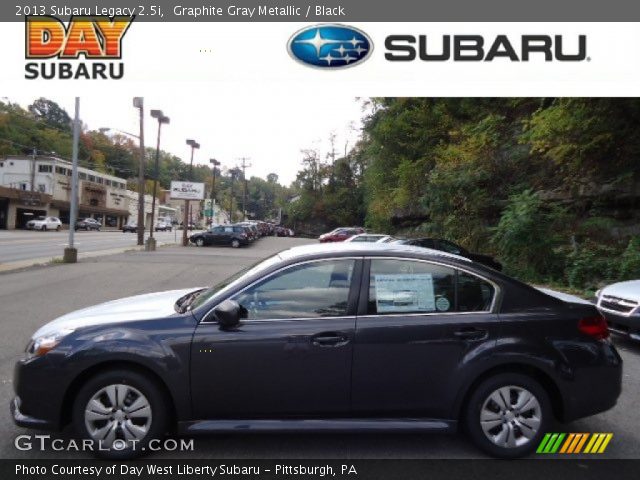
[{"x": 31, "y": 297}]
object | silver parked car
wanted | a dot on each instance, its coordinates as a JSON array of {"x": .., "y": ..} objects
[{"x": 620, "y": 305}]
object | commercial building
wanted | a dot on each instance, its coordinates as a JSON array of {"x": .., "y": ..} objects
[
  {"x": 162, "y": 211},
  {"x": 41, "y": 185}
]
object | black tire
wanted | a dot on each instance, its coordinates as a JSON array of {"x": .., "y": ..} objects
[
  {"x": 199, "y": 242},
  {"x": 44, "y": 228},
  {"x": 235, "y": 243},
  {"x": 156, "y": 400},
  {"x": 481, "y": 394},
  {"x": 58, "y": 228}
]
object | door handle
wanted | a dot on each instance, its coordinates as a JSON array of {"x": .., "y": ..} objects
[
  {"x": 329, "y": 340},
  {"x": 471, "y": 333}
]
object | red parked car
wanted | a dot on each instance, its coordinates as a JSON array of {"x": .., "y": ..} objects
[{"x": 340, "y": 234}]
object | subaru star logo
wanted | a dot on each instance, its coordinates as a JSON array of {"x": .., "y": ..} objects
[{"x": 330, "y": 46}]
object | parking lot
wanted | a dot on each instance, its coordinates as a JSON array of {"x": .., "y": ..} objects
[{"x": 32, "y": 297}]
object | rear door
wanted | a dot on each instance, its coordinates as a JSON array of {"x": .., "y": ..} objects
[{"x": 418, "y": 321}]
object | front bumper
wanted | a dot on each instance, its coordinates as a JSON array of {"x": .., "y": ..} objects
[
  {"x": 28, "y": 421},
  {"x": 628, "y": 325},
  {"x": 39, "y": 387}
]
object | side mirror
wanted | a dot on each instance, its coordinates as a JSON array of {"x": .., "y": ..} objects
[{"x": 229, "y": 314}]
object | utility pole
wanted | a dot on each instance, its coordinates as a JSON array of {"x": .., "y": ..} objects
[
  {"x": 214, "y": 163},
  {"x": 71, "y": 253},
  {"x": 151, "y": 242},
  {"x": 233, "y": 174},
  {"x": 138, "y": 102},
  {"x": 186, "y": 220},
  {"x": 244, "y": 165},
  {"x": 33, "y": 168}
]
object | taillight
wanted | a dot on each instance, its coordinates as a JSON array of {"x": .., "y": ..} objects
[{"x": 595, "y": 327}]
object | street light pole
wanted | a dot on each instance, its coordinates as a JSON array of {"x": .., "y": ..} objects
[
  {"x": 138, "y": 102},
  {"x": 71, "y": 253},
  {"x": 157, "y": 114},
  {"x": 187, "y": 216},
  {"x": 215, "y": 163}
]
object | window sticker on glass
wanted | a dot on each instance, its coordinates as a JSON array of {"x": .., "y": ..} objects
[{"x": 404, "y": 293}]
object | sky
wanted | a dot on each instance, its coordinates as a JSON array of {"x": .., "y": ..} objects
[{"x": 269, "y": 129}]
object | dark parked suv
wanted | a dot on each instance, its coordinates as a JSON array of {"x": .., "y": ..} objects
[
  {"x": 349, "y": 337},
  {"x": 233, "y": 235}
]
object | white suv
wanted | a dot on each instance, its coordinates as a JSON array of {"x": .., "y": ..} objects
[{"x": 45, "y": 223}]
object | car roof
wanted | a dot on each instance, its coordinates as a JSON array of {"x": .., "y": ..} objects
[{"x": 363, "y": 248}]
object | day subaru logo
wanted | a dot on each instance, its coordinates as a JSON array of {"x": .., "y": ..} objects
[{"x": 330, "y": 46}]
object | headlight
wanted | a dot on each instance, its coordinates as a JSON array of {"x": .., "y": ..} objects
[
  {"x": 598, "y": 293},
  {"x": 44, "y": 344}
]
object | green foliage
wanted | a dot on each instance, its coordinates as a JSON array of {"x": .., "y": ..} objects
[
  {"x": 528, "y": 234},
  {"x": 630, "y": 260}
]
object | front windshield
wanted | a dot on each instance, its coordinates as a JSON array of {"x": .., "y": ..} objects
[
  {"x": 40, "y": 218},
  {"x": 233, "y": 280}
]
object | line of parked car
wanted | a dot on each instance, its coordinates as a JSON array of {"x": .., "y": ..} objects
[
  {"x": 358, "y": 234},
  {"x": 239, "y": 234}
]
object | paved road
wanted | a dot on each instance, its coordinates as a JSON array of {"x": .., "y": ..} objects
[
  {"x": 17, "y": 245},
  {"x": 32, "y": 297}
]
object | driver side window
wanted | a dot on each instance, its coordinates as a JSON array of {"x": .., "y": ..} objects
[{"x": 311, "y": 290}]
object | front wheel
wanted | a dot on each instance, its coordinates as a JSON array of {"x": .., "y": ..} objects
[
  {"x": 120, "y": 411},
  {"x": 200, "y": 242},
  {"x": 44, "y": 228},
  {"x": 508, "y": 414}
]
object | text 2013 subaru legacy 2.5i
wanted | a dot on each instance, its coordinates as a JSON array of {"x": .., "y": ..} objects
[{"x": 352, "y": 337}]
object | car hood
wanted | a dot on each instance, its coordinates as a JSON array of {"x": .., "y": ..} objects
[
  {"x": 141, "y": 307},
  {"x": 628, "y": 290}
]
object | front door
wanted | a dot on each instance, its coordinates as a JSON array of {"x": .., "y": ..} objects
[
  {"x": 419, "y": 323},
  {"x": 291, "y": 356}
]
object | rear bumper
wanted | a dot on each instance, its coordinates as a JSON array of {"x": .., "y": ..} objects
[{"x": 595, "y": 388}]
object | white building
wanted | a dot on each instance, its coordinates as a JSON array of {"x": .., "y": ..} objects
[
  {"x": 32, "y": 186},
  {"x": 161, "y": 211}
]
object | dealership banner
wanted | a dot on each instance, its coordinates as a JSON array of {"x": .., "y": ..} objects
[{"x": 187, "y": 190}]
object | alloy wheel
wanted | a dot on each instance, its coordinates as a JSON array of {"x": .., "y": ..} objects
[
  {"x": 510, "y": 416},
  {"x": 117, "y": 412}
]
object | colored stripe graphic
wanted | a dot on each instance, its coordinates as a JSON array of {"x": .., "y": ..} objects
[{"x": 573, "y": 443}]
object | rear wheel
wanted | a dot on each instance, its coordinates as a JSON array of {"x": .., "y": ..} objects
[
  {"x": 235, "y": 243},
  {"x": 507, "y": 415},
  {"x": 120, "y": 411},
  {"x": 58, "y": 228}
]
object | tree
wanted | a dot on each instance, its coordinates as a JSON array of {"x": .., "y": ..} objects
[{"x": 51, "y": 113}]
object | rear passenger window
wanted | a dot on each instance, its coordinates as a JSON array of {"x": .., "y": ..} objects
[
  {"x": 406, "y": 286},
  {"x": 474, "y": 294}
]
